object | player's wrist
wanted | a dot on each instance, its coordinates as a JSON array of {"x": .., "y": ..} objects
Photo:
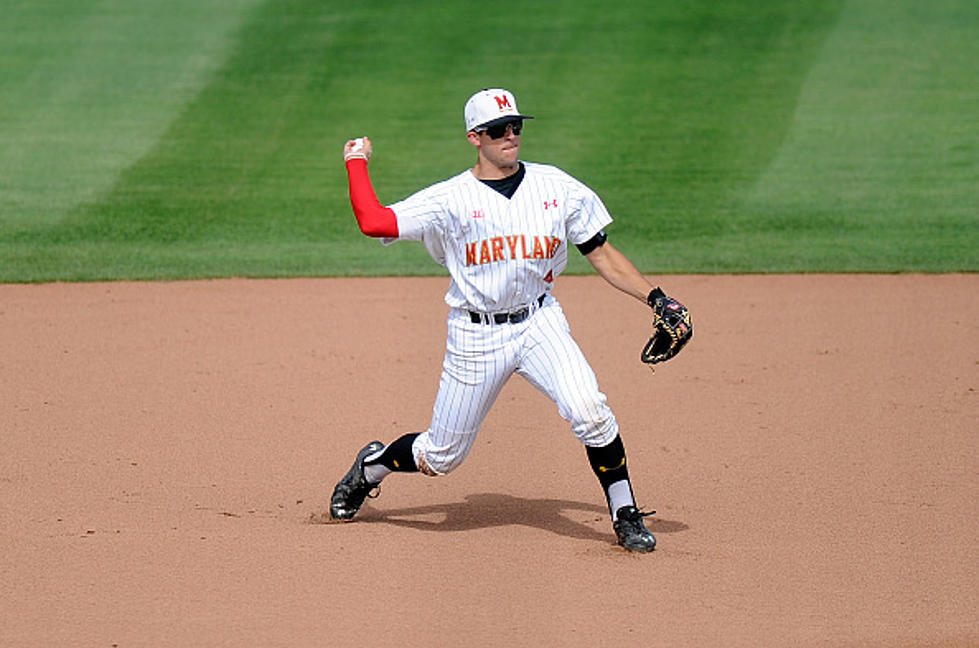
[{"x": 654, "y": 295}]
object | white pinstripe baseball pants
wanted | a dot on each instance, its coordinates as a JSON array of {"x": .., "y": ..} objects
[{"x": 480, "y": 358}]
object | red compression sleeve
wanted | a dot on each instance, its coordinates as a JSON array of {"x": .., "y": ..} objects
[{"x": 374, "y": 219}]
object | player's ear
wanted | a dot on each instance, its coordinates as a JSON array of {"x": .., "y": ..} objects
[{"x": 473, "y": 137}]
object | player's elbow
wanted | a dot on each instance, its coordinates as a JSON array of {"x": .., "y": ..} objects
[
  {"x": 377, "y": 223},
  {"x": 378, "y": 231},
  {"x": 368, "y": 230}
]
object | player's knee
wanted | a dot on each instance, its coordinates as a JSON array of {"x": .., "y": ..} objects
[
  {"x": 591, "y": 419},
  {"x": 598, "y": 429},
  {"x": 436, "y": 466},
  {"x": 425, "y": 467},
  {"x": 433, "y": 461}
]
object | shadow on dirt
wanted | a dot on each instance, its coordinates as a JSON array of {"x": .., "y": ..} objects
[{"x": 485, "y": 510}]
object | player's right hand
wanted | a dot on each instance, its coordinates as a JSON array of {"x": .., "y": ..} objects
[{"x": 357, "y": 148}]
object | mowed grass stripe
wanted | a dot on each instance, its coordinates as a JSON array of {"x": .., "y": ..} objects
[
  {"x": 695, "y": 102},
  {"x": 676, "y": 115},
  {"x": 87, "y": 87},
  {"x": 881, "y": 167},
  {"x": 254, "y": 156}
]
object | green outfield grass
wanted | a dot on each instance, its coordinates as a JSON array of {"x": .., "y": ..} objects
[{"x": 177, "y": 139}]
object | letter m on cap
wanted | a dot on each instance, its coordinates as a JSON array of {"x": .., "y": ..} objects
[{"x": 503, "y": 102}]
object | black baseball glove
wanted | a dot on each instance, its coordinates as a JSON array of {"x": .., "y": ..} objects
[{"x": 672, "y": 328}]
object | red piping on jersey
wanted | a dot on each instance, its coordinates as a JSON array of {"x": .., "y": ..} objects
[{"x": 373, "y": 218}]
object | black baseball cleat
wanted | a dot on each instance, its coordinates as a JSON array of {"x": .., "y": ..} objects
[
  {"x": 631, "y": 531},
  {"x": 351, "y": 491}
]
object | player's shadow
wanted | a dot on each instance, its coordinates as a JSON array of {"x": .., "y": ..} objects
[{"x": 485, "y": 510}]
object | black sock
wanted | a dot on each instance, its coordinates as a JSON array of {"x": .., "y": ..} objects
[
  {"x": 397, "y": 456},
  {"x": 609, "y": 465}
]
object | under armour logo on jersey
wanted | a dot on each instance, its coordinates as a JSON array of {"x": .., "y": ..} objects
[{"x": 550, "y": 203}]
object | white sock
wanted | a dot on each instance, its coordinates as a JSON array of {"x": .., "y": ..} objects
[
  {"x": 619, "y": 495},
  {"x": 376, "y": 472}
]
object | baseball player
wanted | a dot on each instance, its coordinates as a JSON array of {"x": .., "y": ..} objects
[{"x": 502, "y": 230}]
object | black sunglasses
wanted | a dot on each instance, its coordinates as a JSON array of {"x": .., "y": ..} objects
[{"x": 499, "y": 130}]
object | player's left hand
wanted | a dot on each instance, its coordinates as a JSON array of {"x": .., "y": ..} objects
[
  {"x": 357, "y": 148},
  {"x": 672, "y": 328}
]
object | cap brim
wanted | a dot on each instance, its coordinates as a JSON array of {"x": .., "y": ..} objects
[{"x": 501, "y": 120}]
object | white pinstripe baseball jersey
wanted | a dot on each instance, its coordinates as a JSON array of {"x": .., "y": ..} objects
[{"x": 501, "y": 253}]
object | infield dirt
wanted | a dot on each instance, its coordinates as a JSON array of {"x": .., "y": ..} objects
[{"x": 168, "y": 447}]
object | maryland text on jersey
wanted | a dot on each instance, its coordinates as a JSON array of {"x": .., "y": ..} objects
[{"x": 503, "y": 248}]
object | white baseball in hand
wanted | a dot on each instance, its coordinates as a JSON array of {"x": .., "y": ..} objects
[{"x": 356, "y": 149}]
